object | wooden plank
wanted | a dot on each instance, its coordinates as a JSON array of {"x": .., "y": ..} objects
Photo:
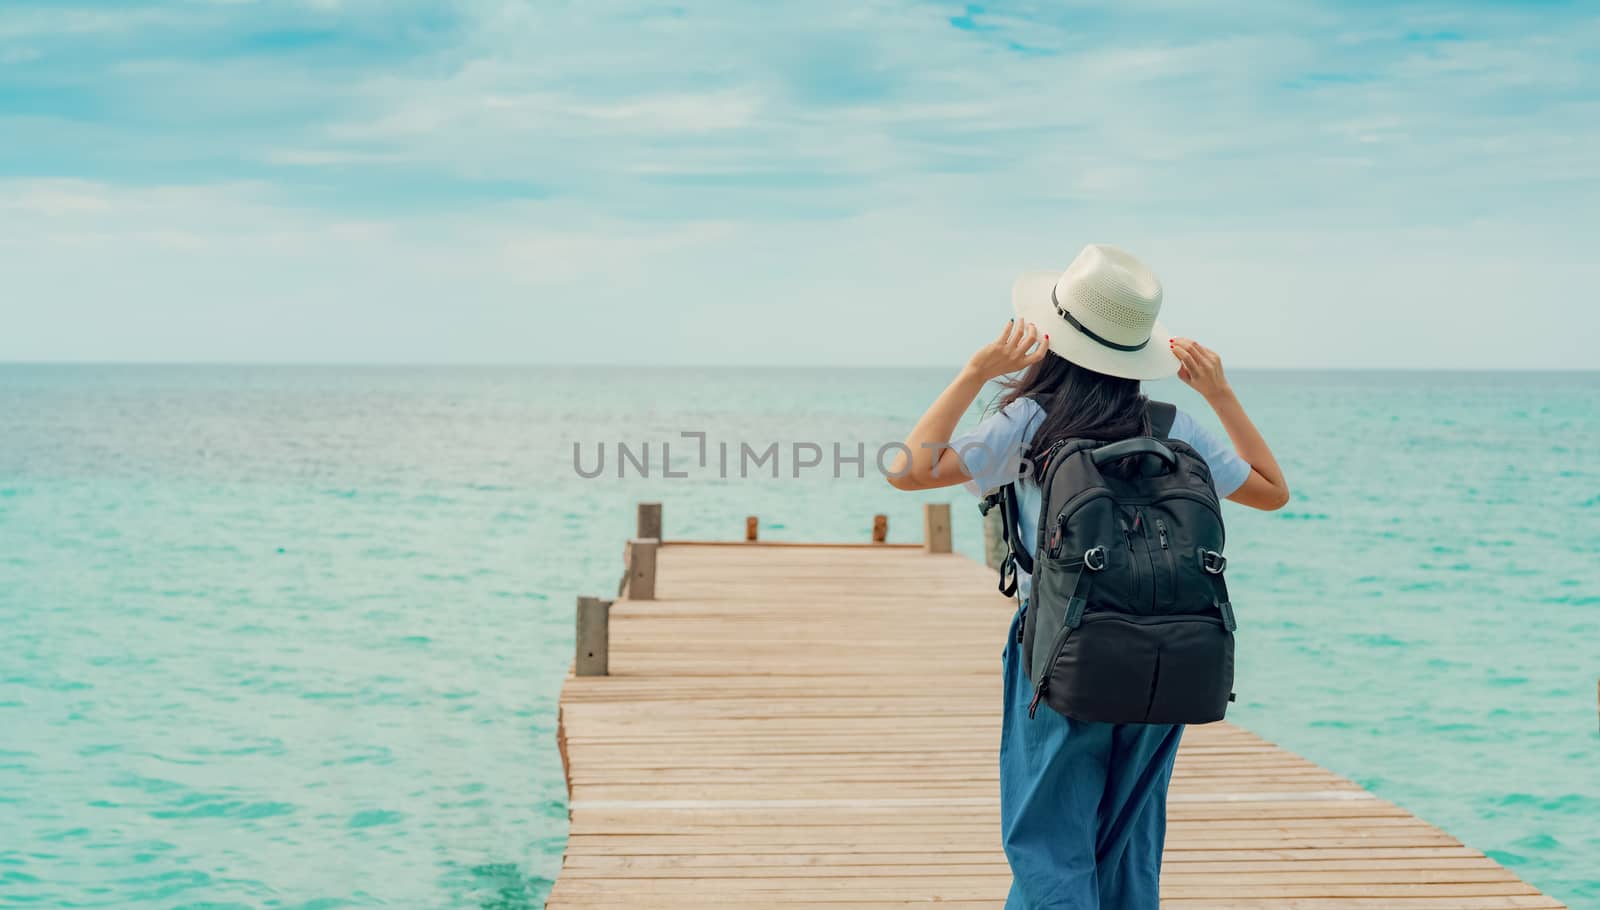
[
  {"x": 634, "y": 898},
  {"x": 775, "y": 732},
  {"x": 801, "y": 544}
]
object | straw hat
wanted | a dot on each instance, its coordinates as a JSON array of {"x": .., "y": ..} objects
[{"x": 1100, "y": 313}]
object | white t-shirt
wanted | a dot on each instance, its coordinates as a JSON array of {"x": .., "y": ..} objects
[{"x": 992, "y": 453}]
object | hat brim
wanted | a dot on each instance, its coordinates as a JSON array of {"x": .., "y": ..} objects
[{"x": 1030, "y": 299}]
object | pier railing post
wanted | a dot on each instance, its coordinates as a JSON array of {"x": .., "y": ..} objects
[
  {"x": 649, "y": 521},
  {"x": 994, "y": 539},
  {"x": 936, "y": 527},
  {"x": 641, "y": 583},
  {"x": 593, "y": 650}
]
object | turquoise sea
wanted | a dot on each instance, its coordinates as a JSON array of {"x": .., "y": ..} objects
[{"x": 292, "y": 637}]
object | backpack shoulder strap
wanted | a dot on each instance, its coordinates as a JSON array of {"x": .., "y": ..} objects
[
  {"x": 1017, "y": 557},
  {"x": 1011, "y": 520},
  {"x": 1007, "y": 500},
  {"x": 1162, "y": 414}
]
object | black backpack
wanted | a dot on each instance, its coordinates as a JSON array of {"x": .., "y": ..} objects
[{"x": 1129, "y": 622}]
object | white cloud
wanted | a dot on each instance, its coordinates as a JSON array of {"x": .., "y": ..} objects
[
  {"x": 35, "y": 22},
  {"x": 230, "y": 273},
  {"x": 701, "y": 166}
]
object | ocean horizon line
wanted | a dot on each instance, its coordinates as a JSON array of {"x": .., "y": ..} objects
[{"x": 762, "y": 367}]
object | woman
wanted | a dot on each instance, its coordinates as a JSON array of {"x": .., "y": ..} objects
[{"x": 1082, "y": 805}]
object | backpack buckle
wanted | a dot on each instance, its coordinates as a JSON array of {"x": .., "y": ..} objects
[
  {"x": 1008, "y": 575},
  {"x": 1212, "y": 561},
  {"x": 1094, "y": 558}
]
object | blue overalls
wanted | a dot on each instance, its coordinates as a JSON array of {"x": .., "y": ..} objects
[{"x": 1083, "y": 806}]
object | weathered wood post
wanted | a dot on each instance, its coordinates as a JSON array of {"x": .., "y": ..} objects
[
  {"x": 592, "y": 653},
  {"x": 641, "y": 584},
  {"x": 752, "y": 526},
  {"x": 994, "y": 539},
  {"x": 649, "y": 521},
  {"x": 936, "y": 527},
  {"x": 880, "y": 528}
]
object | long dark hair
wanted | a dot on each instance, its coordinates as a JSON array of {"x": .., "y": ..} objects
[{"x": 1078, "y": 403}]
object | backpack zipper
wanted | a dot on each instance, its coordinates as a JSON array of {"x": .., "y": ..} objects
[
  {"x": 1149, "y": 561},
  {"x": 1050, "y": 454},
  {"x": 1142, "y": 564},
  {"x": 1044, "y": 681},
  {"x": 1161, "y": 528},
  {"x": 1166, "y": 554},
  {"x": 1210, "y": 502},
  {"x": 1038, "y": 693},
  {"x": 1074, "y": 502}
]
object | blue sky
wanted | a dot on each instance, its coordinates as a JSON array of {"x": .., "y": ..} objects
[{"x": 1318, "y": 184}]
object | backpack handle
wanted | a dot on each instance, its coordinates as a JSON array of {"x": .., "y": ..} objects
[{"x": 1138, "y": 445}]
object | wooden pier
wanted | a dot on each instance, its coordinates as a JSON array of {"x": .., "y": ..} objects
[{"x": 752, "y": 727}]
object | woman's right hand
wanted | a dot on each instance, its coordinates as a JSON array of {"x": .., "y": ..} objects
[
  {"x": 1201, "y": 368},
  {"x": 1012, "y": 351}
]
